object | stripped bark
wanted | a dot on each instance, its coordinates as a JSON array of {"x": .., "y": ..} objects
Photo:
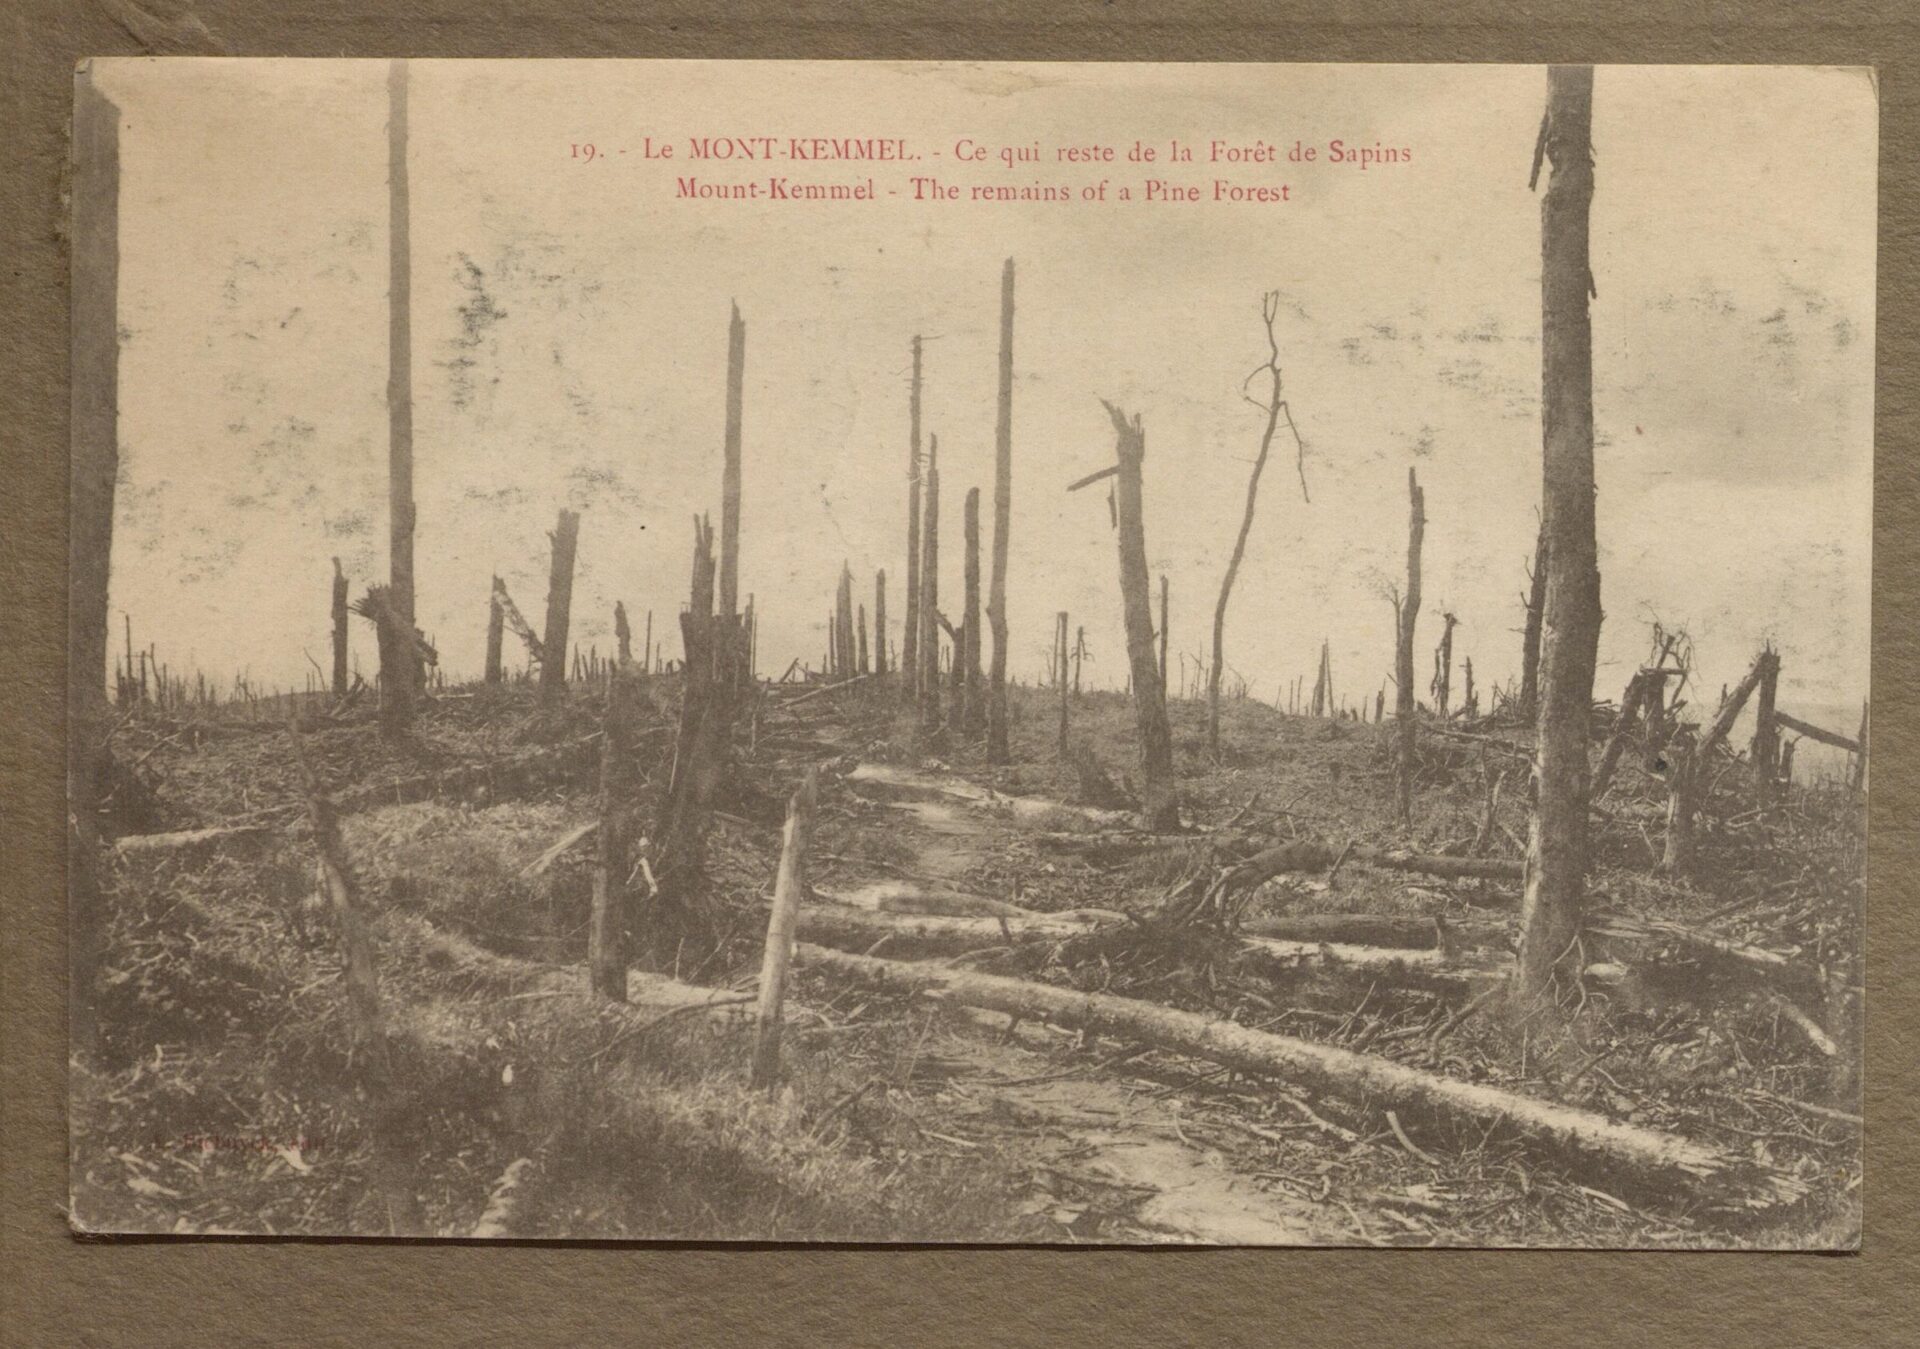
[
  {"x": 1536, "y": 604},
  {"x": 1159, "y": 808},
  {"x": 1570, "y": 636}
]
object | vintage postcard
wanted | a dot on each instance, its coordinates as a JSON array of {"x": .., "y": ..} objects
[{"x": 801, "y": 651}]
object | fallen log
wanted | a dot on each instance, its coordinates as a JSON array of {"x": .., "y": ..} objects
[
  {"x": 1770, "y": 966},
  {"x": 911, "y": 897},
  {"x": 1310, "y": 855},
  {"x": 1375, "y": 929},
  {"x": 183, "y": 841},
  {"x": 959, "y": 789},
  {"x": 1812, "y": 732},
  {"x": 918, "y": 935},
  {"x": 1654, "y": 1164}
]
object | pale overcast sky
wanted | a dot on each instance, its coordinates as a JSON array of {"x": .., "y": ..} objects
[{"x": 569, "y": 345}]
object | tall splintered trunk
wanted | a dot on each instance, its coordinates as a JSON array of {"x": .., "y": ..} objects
[
  {"x": 94, "y": 408},
  {"x": 1443, "y": 666},
  {"x": 860, "y": 633},
  {"x": 1269, "y": 307},
  {"x": 997, "y": 750},
  {"x": 1409, "y": 615},
  {"x": 553, "y": 669},
  {"x": 1570, "y": 632},
  {"x": 1766, "y": 731},
  {"x": 496, "y": 632},
  {"x": 1159, "y": 809},
  {"x": 880, "y": 624},
  {"x": 730, "y": 471},
  {"x": 974, "y": 720},
  {"x": 339, "y": 631},
  {"x": 910, "y": 638},
  {"x": 929, "y": 680},
  {"x": 404, "y": 679},
  {"x": 1530, "y": 635},
  {"x": 1162, "y": 666},
  {"x": 1060, "y": 674}
]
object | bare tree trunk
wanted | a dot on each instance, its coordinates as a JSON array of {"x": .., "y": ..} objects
[
  {"x": 1163, "y": 630},
  {"x": 1443, "y": 666},
  {"x": 1570, "y": 634},
  {"x": 496, "y": 632},
  {"x": 607, "y": 929},
  {"x": 1159, "y": 808},
  {"x": 403, "y": 681},
  {"x": 910, "y": 639},
  {"x": 1530, "y": 638},
  {"x": 339, "y": 631},
  {"x": 860, "y": 634},
  {"x": 730, "y": 471},
  {"x": 1060, "y": 674},
  {"x": 553, "y": 669},
  {"x": 1269, "y": 308},
  {"x": 974, "y": 722},
  {"x": 1408, "y": 614},
  {"x": 880, "y": 624},
  {"x": 998, "y": 751},
  {"x": 930, "y": 726},
  {"x": 789, "y": 889},
  {"x": 1766, "y": 730},
  {"x": 1858, "y": 780}
]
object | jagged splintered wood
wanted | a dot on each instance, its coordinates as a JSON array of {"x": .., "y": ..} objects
[
  {"x": 730, "y": 473},
  {"x": 997, "y": 743},
  {"x": 910, "y": 638},
  {"x": 1407, "y": 615},
  {"x": 496, "y": 623},
  {"x": 1536, "y": 606},
  {"x": 566, "y": 539},
  {"x": 339, "y": 631},
  {"x": 623, "y": 632},
  {"x": 1570, "y": 629},
  {"x": 1443, "y": 665},
  {"x": 401, "y": 648},
  {"x": 1159, "y": 807},
  {"x": 510, "y": 612}
]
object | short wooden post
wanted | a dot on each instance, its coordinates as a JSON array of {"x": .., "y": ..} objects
[
  {"x": 607, "y": 929},
  {"x": 1766, "y": 731},
  {"x": 789, "y": 885}
]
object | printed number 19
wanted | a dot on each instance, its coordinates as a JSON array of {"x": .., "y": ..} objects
[{"x": 584, "y": 152}]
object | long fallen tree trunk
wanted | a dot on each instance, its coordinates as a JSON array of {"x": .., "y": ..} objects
[
  {"x": 1309, "y": 855},
  {"x": 1645, "y": 1161}
]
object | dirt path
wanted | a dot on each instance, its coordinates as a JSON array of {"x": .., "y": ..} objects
[{"x": 1116, "y": 1158}]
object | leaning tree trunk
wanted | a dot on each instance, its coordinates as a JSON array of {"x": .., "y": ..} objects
[
  {"x": 1570, "y": 632},
  {"x": 566, "y": 540},
  {"x": 1409, "y": 615},
  {"x": 997, "y": 747},
  {"x": 910, "y": 638},
  {"x": 1269, "y": 308},
  {"x": 1159, "y": 809}
]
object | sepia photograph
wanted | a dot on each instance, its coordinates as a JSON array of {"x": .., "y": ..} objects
[{"x": 971, "y": 653}]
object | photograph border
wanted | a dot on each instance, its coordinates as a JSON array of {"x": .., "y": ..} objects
[{"x": 59, "y": 1289}]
